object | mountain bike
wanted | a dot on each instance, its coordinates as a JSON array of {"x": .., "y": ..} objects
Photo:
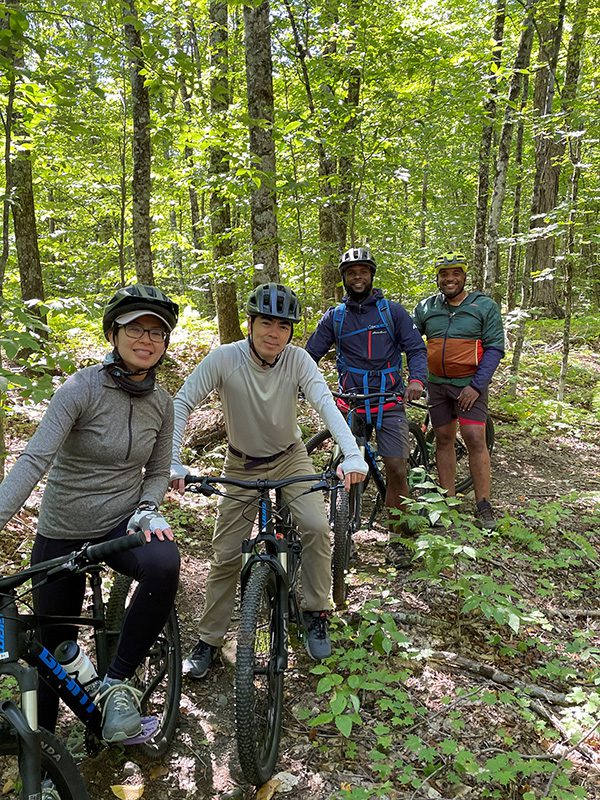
[
  {"x": 346, "y": 508},
  {"x": 39, "y": 754},
  {"x": 269, "y": 603},
  {"x": 463, "y": 481}
]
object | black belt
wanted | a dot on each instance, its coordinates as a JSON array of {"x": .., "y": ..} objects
[{"x": 257, "y": 461}]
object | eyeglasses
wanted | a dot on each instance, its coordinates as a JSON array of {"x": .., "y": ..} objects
[{"x": 135, "y": 331}]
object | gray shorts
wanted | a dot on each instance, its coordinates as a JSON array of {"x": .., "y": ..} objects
[
  {"x": 443, "y": 407},
  {"x": 392, "y": 437}
]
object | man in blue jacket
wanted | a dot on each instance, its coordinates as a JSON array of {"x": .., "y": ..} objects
[{"x": 370, "y": 334}]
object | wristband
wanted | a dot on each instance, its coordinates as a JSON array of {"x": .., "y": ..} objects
[{"x": 147, "y": 505}]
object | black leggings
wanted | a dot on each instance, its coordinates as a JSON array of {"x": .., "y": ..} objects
[{"x": 155, "y": 566}]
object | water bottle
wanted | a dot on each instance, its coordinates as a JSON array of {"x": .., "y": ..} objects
[{"x": 77, "y": 665}]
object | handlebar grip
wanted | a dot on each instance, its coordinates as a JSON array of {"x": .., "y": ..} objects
[
  {"x": 200, "y": 484},
  {"x": 99, "y": 552}
]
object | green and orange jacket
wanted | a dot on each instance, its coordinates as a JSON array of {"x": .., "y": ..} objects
[{"x": 464, "y": 343}]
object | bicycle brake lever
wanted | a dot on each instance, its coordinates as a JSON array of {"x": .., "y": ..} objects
[{"x": 68, "y": 566}]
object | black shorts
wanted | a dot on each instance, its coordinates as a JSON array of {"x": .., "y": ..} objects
[
  {"x": 392, "y": 436},
  {"x": 443, "y": 407}
]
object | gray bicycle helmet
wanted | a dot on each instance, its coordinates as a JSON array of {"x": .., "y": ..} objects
[
  {"x": 357, "y": 255},
  {"x": 274, "y": 300},
  {"x": 140, "y": 297}
]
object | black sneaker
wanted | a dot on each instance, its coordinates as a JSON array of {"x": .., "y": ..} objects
[
  {"x": 200, "y": 660},
  {"x": 484, "y": 514},
  {"x": 318, "y": 643},
  {"x": 399, "y": 555}
]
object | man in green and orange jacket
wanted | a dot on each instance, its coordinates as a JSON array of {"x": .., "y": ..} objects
[{"x": 465, "y": 342}]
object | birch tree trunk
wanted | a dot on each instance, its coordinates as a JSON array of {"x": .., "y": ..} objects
[
  {"x": 521, "y": 63},
  {"x": 485, "y": 149},
  {"x": 141, "y": 148},
  {"x": 259, "y": 88}
]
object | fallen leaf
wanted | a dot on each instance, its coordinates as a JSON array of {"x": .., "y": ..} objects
[
  {"x": 268, "y": 789},
  {"x": 127, "y": 792},
  {"x": 159, "y": 771}
]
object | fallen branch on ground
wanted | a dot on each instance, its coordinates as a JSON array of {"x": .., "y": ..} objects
[{"x": 497, "y": 676}]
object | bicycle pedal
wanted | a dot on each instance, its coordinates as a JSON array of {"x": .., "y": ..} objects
[{"x": 149, "y": 728}]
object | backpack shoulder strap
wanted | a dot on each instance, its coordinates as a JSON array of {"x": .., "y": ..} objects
[
  {"x": 385, "y": 313},
  {"x": 339, "y": 313}
]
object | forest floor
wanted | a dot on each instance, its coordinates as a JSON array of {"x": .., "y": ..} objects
[{"x": 448, "y": 713}]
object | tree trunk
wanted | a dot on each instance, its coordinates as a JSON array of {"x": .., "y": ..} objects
[
  {"x": 20, "y": 178},
  {"x": 515, "y": 248},
  {"x": 345, "y": 209},
  {"x": 331, "y": 234},
  {"x": 188, "y": 153},
  {"x": 574, "y": 191},
  {"x": 224, "y": 291},
  {"x": 123, "y": 186},
  {"x": 521, "y": 63},
  {"x": 541, "y": 247},
  {"x": 485, "y": 149},
  {"x": 10, "y": 97},
  {"x": 259, "y": 87},
  {"x": 142, "y": 155},
  {"x": 423, "y": 220}
]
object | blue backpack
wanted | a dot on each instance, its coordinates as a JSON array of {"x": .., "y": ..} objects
[{"x": 387, "y": 323}]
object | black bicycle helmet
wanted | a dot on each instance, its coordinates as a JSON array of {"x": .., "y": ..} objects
[
  {"x": 140, "y": 297},
  {"x": 357, "y": 255},
  {"x": 274, "y": 300},
  {"x": 449, "y": 260}
]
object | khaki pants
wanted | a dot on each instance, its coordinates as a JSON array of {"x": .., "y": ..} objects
[{"x": 234, "y": 524}]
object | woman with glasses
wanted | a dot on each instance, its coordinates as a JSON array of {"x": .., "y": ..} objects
[{"x": 105, "y": 441}]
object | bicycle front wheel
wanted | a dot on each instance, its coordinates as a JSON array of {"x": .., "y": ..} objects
[
  {"x": 58, "y": 768},
  {"x": 158, "y": 676},
  {"x": 342, "y": 545},
  {"x": 258, "y": 680}
]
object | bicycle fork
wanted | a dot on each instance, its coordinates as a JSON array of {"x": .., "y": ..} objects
[{"x": 281, "y": 621}]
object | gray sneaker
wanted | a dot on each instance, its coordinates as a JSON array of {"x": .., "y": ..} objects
[
  {"x": 484, "y": 515},
  {"x": 200, "y": 660},
  {"x": 318, "y": 643},
  {"x": 121, "y": 713}
]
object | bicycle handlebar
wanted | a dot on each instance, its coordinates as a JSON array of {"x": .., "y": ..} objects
[
  {"x": 359, "y": 398},
  {"x": 355, "y": 398},
  {"x": 205, "y": 484},
  {"x": 76, "y": 560}
]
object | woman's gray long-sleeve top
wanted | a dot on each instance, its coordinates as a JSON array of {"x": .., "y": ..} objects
[{"x": 105, "y": 450}]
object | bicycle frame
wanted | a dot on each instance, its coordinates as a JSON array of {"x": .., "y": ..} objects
[{"x": 18, "y": 643}]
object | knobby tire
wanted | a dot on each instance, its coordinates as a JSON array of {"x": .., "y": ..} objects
[
  {"x": 161, "y": 666},
  {"x": 258, "y": 684},
  {"x": 342, "y": 545},
  {"x": 57, "y": 764}
]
